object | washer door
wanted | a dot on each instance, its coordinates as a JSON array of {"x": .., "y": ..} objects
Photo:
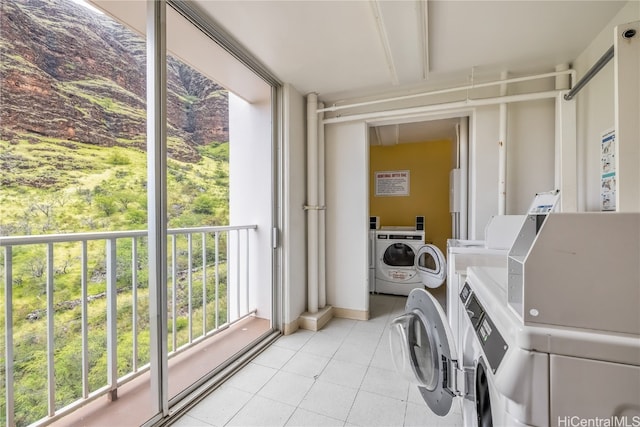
[
  {"x": 431, "y": 265},
  {"x": 423, "y": 350}
]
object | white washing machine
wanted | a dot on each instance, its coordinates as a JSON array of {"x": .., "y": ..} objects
[
  {"x": 493, "y": 251},
  {"x": 404, "y": 262},
  {"x": 510, "y": 374}
]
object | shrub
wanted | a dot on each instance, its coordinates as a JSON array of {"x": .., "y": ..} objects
[
  {"x": 118, "y": 159},
  {"x": 204, "y": 204}
]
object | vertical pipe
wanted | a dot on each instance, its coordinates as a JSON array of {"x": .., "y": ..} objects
[
  {"x": 563, "y": 81},
  {"x": 85, "y": 321},
  {"x": 322, "y": 281},
  {"x": 312, "y": 202},
  {"x": 204, "y": 284},
  {"x": 157, "y": 200},
  {"x": 134, "y": 302},
  {"x": 502, "y": 152},
  {"x": 112, "y": 318},
  {"x": 51, "y": 379},
  {"x": 454, "y": 188},
  {"x": 8, "y": 336},
  {"x": 464, "y": 177}
]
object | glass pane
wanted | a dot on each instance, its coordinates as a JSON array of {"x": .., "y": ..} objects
[
  {"x": 424, "y": 355},
  {"x": 72, "y": 159},
  {"x": 219, "y": 285},
  {"x": 427, "y": 261}
]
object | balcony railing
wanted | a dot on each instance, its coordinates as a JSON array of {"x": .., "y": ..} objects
[{"x": 94, "y": 293}]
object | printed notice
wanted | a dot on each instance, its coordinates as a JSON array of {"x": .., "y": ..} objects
[
  {"x": 392, "y": 183},
  {"x": 608, "y": 172}
]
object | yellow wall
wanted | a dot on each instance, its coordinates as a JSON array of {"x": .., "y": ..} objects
[{"x": 429, "y": 164}]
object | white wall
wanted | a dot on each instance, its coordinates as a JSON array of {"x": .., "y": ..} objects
[
  {"x": 530, "y": 151},
  {"x": 347, "y": 201},
  {"x": 293, "y": 220},
  {"x": 483, "y": 169},
  {"x": 531, "y": 136},
  {"x": 250, "y": 191},
  {"x": 530, "y": 159},
  {"x": 595, "y": 109}
]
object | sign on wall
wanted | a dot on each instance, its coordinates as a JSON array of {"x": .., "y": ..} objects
[
  {"x": 392, "y": 183},
  {"x": 608, "y": 171}
]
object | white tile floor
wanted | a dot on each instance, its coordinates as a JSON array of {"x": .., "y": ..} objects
[{"x": 339, "y": 376}]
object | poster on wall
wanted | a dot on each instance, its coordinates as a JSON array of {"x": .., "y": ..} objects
[
  {"x": 392, "y": 183},
  {"x": 608, "y": 171}
]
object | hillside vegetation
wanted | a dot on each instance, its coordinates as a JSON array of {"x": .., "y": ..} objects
[{"x": 73, "y": 159}]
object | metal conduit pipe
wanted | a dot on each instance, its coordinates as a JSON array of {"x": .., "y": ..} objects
[
  {"x": 312, "y": 203},
  {"x": 449, "y": 90},
  {"x": 464, "y": 176},
  {"x": 502, "y": 152},
  {"x": 455, "y": 105},
  {"x": 322, "y": 282},
  {"x": 604, "y": 59}
]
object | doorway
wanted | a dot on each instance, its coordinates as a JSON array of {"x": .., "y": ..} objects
[{"x": 415, "y": 172}]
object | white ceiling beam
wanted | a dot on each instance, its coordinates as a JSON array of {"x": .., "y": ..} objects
[
  {"x": 423, "y": 24},
  {"x": 384, "y": 40}
]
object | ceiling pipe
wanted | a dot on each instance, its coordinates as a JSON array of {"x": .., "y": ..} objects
[
  {"x": 468, "y": 103},
  {"x": 335, "y": 107}
]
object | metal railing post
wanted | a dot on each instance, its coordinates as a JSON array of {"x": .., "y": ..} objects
[
  {"x": 8, "y": 336},
  {"x": 174, "y": 289},
  {"x": 190, "y": 285},
  {"x": 51, "y": 379},
  {"x": 217, "y": 275},
  {"x": 85, "y": 321},
  {"x": 112, "y": 321},
  {"x": 204, "y": 283},
  {"x": 134, "y": 302}
]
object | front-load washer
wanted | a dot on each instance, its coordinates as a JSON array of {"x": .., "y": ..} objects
[
  {"x": 404, "y": 262},
  {"x": 509, "y": 374},
  {"x": 424, "y": 352},
  {"x": 499, "y": 235}
]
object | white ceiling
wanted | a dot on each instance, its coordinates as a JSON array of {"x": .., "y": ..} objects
[{"x": 357, "y": 48}]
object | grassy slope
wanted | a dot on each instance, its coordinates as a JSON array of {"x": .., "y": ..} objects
[{"x": 89, "y": 188}]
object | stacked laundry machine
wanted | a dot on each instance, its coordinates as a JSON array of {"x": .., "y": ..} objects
[{"x": 550, "y": 339}]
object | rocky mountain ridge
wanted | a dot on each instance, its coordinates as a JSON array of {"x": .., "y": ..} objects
[{"x": 69, "y": 73}]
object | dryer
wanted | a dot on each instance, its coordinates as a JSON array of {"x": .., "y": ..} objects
[{"x": 404, "y": 262}]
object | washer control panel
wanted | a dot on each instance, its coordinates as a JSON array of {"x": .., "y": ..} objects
[{"x": 490, "y": 339}]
